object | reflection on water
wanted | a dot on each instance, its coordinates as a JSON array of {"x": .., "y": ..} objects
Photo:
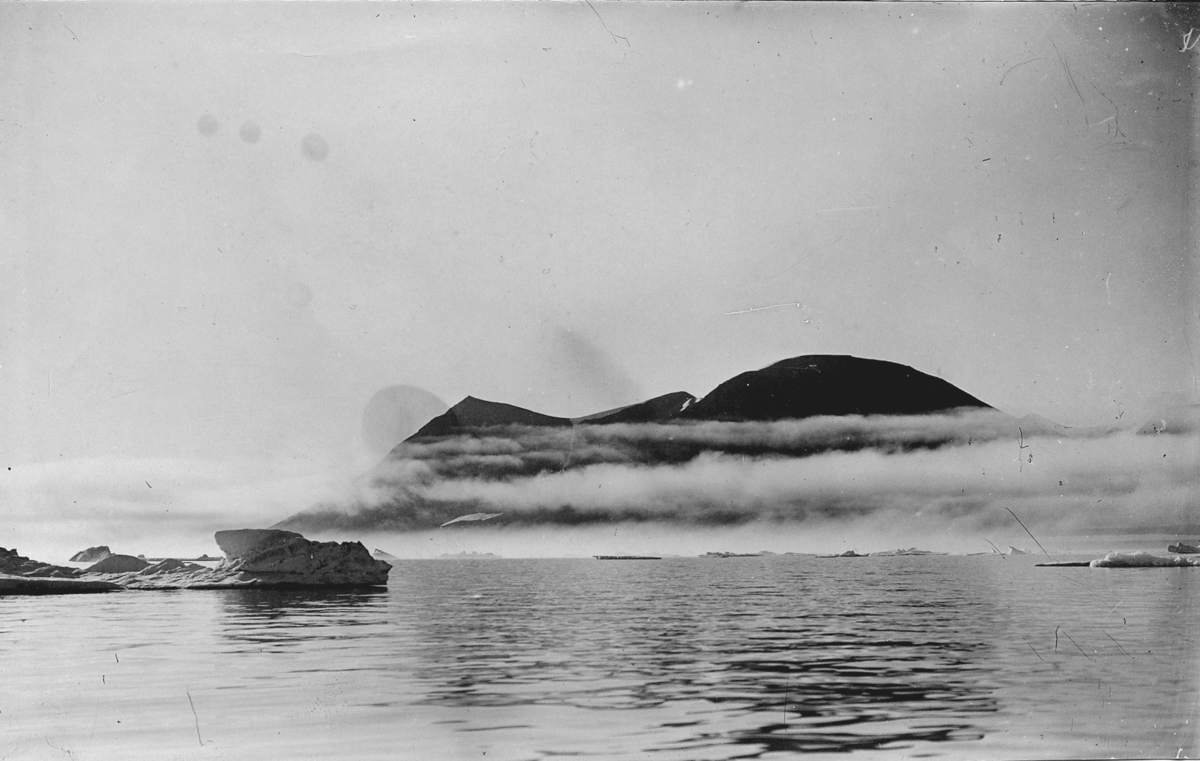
[
  {"x": 802, "y": 661},
  {"x": 687, "y": 658},
  {"x": 284, "y": 618}
]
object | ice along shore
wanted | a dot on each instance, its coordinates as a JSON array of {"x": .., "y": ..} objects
[{"x": 253, "y": 558}]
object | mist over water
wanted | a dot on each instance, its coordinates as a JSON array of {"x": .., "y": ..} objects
[
  {"x": 941, "y": 483},
  {"x": 160, "y": 508}
]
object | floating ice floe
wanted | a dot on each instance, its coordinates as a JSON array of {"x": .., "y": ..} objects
[
  {"x": 253, "y": 558},
  {"x": 1184, "y": 549},
  {"x": 1142, "y": 560},
  {"x": 473, "y": 517}
]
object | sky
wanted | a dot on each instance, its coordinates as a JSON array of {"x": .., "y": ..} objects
[{"x": 229, "y": 228}]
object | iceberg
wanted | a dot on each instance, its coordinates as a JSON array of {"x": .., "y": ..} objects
[
  {"x": 117, "y": 564},
  {"x": 1142, "y": 560},
  {"x": 91, "y": 554},
  {"x": 51, "y": 585},
  {"x": 253, "y": 558},
  {"x": 909, "y": 551}
]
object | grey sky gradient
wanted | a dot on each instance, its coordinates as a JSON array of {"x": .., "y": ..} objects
[{"x": 226, "y": 227}]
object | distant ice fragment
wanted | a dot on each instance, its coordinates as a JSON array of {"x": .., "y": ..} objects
[
  {"x": 472, "y": 517},
  {"x": 1142, "y": 560},
  {"x": 1184, "y": 549}
]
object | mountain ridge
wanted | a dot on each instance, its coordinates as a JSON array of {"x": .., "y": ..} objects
[
  {"x": 481, "y": 413},
  {"x": 799, "y": 387},
  {"x": 479, "y": 446}
]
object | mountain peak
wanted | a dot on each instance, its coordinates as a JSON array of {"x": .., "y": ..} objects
[
  {"x": 829, "y": 384},
  {"x": 473, "y": 413},
  {"x": 798, "y": 387}
]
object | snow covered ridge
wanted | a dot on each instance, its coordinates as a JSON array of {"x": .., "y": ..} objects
[{"x": 1143, "y": 560}]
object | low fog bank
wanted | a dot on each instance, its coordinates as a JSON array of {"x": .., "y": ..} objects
[
  {"x": 959, "y": 473},
  {"x": 167, "y": 507},
  {"x": 943, "y": 483},
  {"x": 667, "y": 540},
  {"x": 814, "y": 537}
]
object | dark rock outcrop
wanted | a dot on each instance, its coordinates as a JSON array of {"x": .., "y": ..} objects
[
  {"x": 14, "y": 564},
  {"x": 91, "y": 554}
]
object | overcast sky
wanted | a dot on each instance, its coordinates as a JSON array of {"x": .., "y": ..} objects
[{"x": 226, "y": 227}]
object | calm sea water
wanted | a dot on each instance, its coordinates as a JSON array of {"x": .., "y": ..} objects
[{"x": 981, "y": 657}]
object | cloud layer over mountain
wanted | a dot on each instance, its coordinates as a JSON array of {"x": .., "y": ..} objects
[
  {"x": 966, "y": 468},
  {"x": 894, "y": 481}
]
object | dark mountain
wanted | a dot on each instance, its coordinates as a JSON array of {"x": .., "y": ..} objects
[
  {"x": 396, "y": 497},
  {"x": 828, "y": 384},
  {"x": 660, "y": 409},
  {"x": 472, "y": 413},
  {"x": 815, "y": 384}
]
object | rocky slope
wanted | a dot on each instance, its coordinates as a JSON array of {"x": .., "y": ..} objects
[
  {"x": 472, "y": 413},
  {"x": 657, "y": 410}
]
